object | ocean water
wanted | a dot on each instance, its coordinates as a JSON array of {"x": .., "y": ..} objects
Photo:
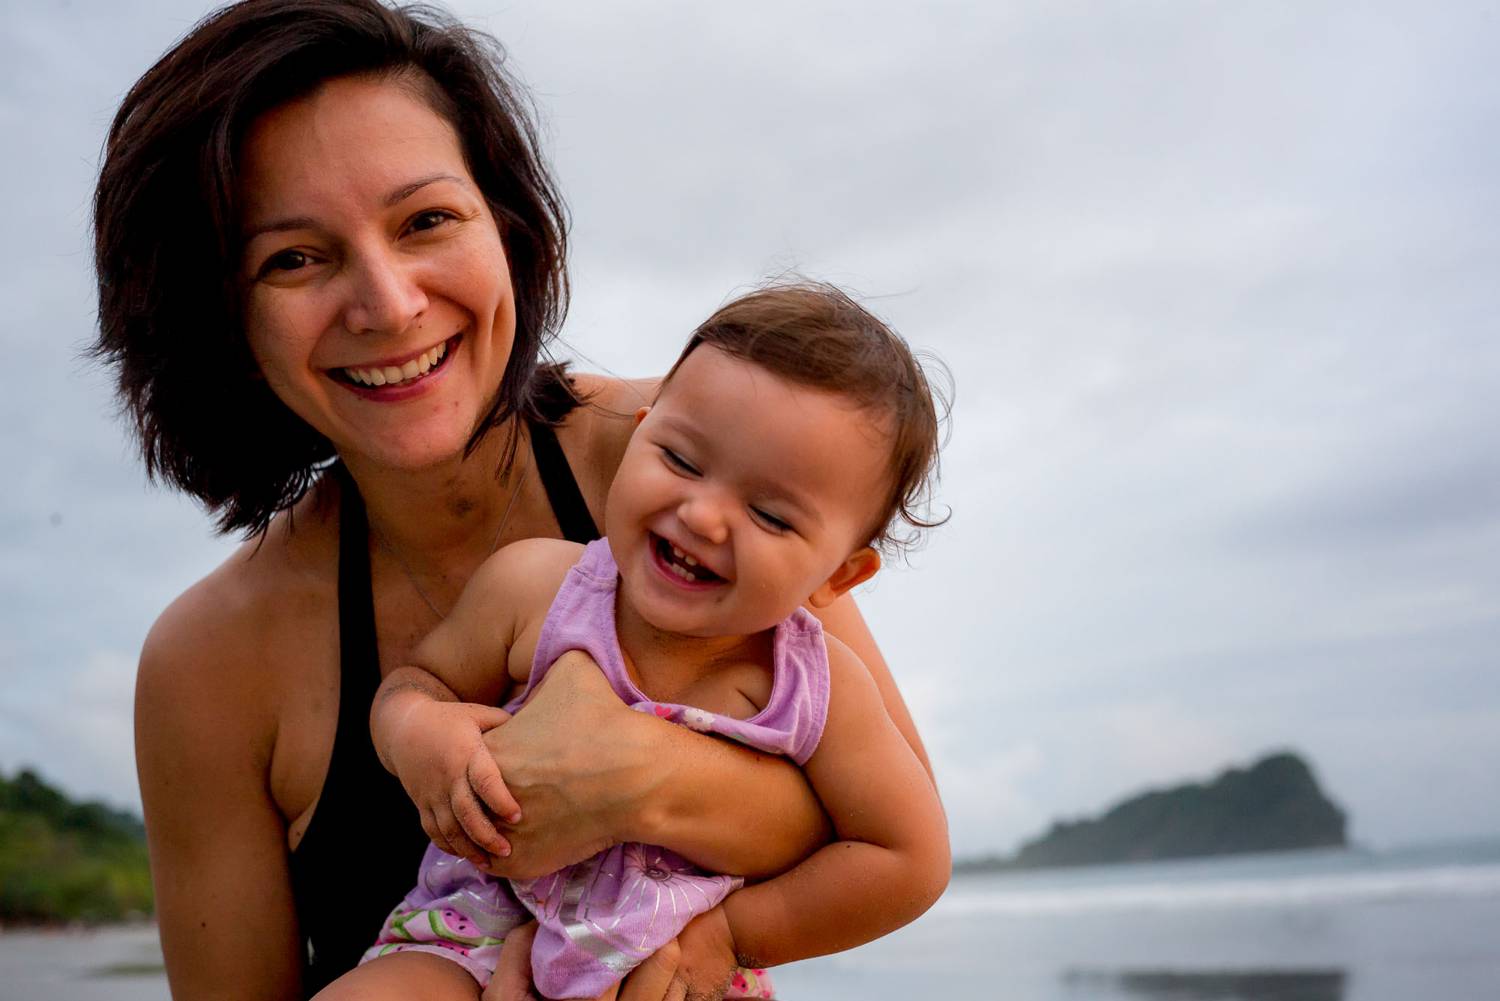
[{"x": 1305, "y": 926}]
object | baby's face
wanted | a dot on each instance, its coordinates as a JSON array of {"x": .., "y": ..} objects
[{"x": 739, "y": 496}]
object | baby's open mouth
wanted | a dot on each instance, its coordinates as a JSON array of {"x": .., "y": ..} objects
[
  {"x": 683, "y": 565},
  {"x": 398, "y": 375}
]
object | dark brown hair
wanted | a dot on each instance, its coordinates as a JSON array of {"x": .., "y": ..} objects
[
  {"x": 815, "y": 335},
  {"x": 167, "y": 221}
]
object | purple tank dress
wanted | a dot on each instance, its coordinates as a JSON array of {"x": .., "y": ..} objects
[{"x": 599, "y": 918}]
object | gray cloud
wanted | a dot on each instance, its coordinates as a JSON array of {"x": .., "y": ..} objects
[{"x": 1216, "y": 283}]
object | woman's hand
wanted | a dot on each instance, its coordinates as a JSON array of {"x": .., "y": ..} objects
[{"x": 576, "y": 757}]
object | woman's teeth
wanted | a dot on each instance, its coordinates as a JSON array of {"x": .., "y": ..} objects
[{"x": 394, "y": 374}]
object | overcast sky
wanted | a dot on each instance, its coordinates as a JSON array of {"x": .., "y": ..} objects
[{"x": 1218, "y": 283}]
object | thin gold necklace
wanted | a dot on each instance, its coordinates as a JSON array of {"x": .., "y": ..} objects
[{"x": 494, "y": 543}]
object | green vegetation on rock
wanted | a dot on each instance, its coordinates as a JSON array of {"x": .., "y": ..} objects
[
  {"x": 66, "y": 861},
  {"x": 1274, "y": 805}
]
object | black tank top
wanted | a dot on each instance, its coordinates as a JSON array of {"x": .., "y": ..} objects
[{"x": 360, "y": 852}]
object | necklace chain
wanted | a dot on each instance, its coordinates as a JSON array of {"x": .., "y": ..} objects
[{"x": 494, "y": 543}]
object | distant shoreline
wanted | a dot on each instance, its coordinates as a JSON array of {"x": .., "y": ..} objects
[
  {"x": 75, "y": 927},
  {"x": 1478, "y": 845},
  {"x": 999, "y": 863}
]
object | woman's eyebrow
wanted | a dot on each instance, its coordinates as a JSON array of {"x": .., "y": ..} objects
[
  {"x": 407, "y": 190},
  {"x": 279, "y": 226},
  {"x": 396, "y": 197}
]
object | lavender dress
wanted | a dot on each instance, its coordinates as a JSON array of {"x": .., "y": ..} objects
[{"x": 599, "y": 918}]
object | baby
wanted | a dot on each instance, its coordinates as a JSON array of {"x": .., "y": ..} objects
[{"x": 791, "y": 435}]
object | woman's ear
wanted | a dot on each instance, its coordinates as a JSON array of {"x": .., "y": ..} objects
[
  {"x": 858, "y": 568},
  {"x": 640, "y": 415}
]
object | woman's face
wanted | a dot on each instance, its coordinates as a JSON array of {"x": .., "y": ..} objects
[{"x": 379, "y": 306}]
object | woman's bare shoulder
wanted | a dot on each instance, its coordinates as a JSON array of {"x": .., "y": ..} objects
[
  {"x": 596, "y": 434},
  {"x": 611, "y": 403},
  {"x": 625, "y": 396},
  {"x": 232, "y": 631}
]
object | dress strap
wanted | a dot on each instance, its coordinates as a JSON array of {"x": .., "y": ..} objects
[
  {"x": 568, "y": 505},
  {"x": 363, "y": 823},
  {"x": 357, "y": 644}
]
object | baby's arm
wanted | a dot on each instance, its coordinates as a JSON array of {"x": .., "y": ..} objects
[
  {"x": 428, "y": 730},
  {"x": 891, "y": 860}
]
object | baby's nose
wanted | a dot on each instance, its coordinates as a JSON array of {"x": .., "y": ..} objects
[{"x": 704, "y": 518}]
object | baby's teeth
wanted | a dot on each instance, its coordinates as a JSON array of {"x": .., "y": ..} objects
[
  {"x": 689, "y": 560},
  {"x": 410, "y": 370}
]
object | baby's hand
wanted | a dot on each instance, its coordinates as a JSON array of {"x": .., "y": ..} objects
[{"x": 449, "y": 773}]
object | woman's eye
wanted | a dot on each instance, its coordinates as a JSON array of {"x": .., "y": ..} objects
[
  {"x": 770, "y": 521},
  {"x": 678, "y": 462},
  {"x": 286, "y": 260},
  {"x": 431, "y": 219}
]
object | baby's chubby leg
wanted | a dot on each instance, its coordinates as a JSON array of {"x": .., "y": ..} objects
[{"x": 401, "y": 976}]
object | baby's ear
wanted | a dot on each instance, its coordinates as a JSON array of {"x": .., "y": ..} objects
[{"x": 858, "y": 568}]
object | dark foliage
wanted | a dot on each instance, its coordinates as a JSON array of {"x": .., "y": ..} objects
[{"x": 66, "y": 861}]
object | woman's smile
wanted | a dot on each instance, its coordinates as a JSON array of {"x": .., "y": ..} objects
[{"x": 395, "y": 379}]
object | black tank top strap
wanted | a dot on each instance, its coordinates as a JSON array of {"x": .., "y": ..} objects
[
  {"x": 360, "y": 853},
  {"x": 568, "y": 505}
]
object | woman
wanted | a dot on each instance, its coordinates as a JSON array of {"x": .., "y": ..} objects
[{"x": 323, "y": 231}]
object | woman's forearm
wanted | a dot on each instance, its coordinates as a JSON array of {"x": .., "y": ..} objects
[
  {"x": 590, "y": 772},
  {"x": 727, "y": 808}
]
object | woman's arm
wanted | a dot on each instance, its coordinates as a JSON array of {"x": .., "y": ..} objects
[
  {"x": 590, "y": 772},
  {"x": 217, "y": 840}
]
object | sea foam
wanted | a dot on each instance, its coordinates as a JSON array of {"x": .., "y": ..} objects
[{"x": 986, "y": 896}]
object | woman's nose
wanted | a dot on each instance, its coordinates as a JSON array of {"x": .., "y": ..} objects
[
  {"x": 384, "y": 296},
  {"x": 704, "y": 517}
]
